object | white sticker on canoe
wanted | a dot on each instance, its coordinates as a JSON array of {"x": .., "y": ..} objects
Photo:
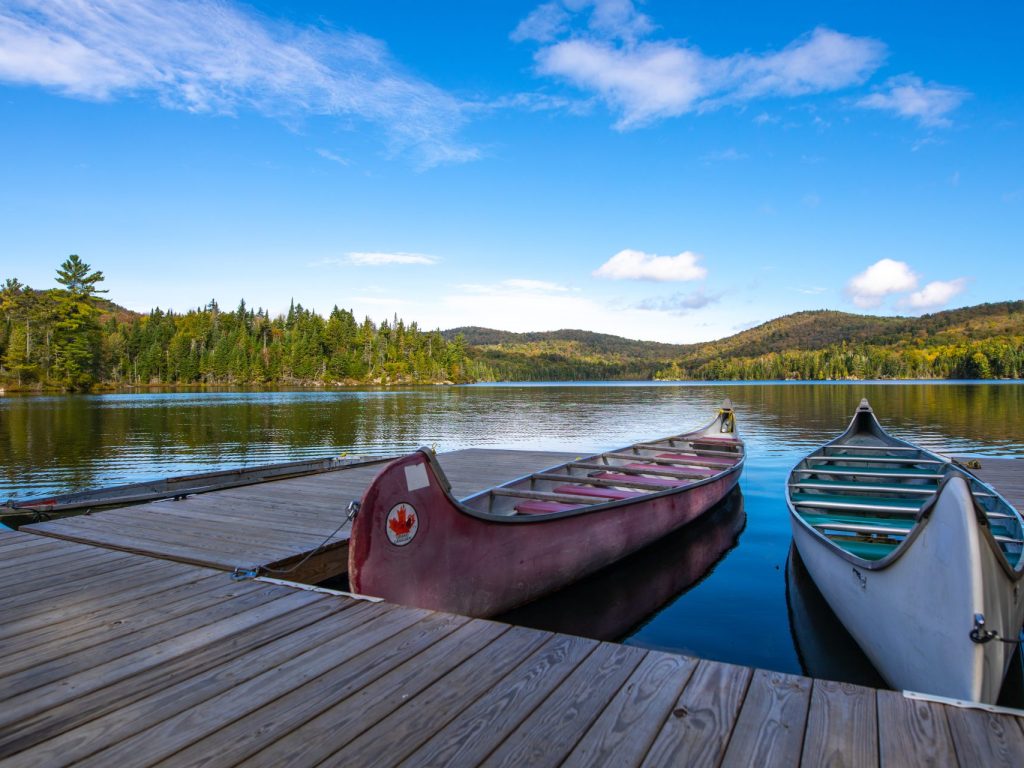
[
  {"x": 416, "y": 477},
  {"x": 402, "y": 524}
]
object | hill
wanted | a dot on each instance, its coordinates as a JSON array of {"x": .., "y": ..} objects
[{"x": 970, "y": 342}]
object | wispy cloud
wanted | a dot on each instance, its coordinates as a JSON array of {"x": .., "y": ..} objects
[
  {"x": 679, "y": 303},
  {"x": 326, "y": 154},
  {"x": 513, "y": 286},
  {"x": 909, "y": 96},
  {"x": 813, "y": 290},
  {"x": 376, "y": 259},
  {"x": 211, "y": 56},
  {"x": 637, "y": 265},
  {"x": 599, "y": 46}
]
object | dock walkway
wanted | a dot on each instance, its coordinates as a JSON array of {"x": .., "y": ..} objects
[
  {"x": 273, "y": 524},
  {"x": 136, "y": 661}
]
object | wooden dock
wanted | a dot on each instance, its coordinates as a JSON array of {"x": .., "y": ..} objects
[
  {"x": 274, "y": 525},
  {"x": 134, "y": 661}
]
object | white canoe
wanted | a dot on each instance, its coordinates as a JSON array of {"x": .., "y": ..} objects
[{"x": 920, "y": 560}]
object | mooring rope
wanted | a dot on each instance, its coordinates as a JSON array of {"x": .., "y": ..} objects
[{"x": 243, "y": 574}]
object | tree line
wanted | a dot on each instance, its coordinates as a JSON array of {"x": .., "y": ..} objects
[{"x": 70, "y": 337}]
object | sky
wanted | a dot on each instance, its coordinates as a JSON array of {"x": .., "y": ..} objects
[{"x": 671, "y": 171}]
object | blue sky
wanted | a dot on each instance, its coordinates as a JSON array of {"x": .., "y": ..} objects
[{"x": 673, "y": 171}]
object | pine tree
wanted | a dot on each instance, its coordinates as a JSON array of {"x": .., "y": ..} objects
[{"x": 76, "y": 331}]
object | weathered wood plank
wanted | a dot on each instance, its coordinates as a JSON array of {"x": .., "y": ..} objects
[
  {"x": 409, "y": 726},
  {"x": 697, "y": 730},
  {"x": 342, "y": 704},
  {"x": 38, "y": 699},
  {"x": 912, "y": 732},
  {"x": 624, "y": 732},
  {"x": 96, "y": 597},
  {"x": 553, "y": 728},
  {"x": 81, "y": 633},
  {"x": 482, "y": 727},
  {"x": 126, "y": 571},
  {"x": 986, "y": 738},
  {"x": 324, "y": 666},
  {"x": 104, "y": 716},
  {"x": 35, "y": 671},
  {"x": 842, "y": 726},
  {"x": 770, "y": 728}
]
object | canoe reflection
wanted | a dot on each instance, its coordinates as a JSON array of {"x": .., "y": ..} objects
[
  {"x": 613, "y": 602},
  {"x": 825, "y": 649}
]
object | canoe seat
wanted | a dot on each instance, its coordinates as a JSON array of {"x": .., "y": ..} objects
[
  {"x": 667, "y": 482},
  {"x": 718, "y": 440},
  {"x": 704, "y": 461},
  {"x": 858, "y": 503},
  {"x": 873, "y": 459},
  {"x": 866, "y": 471},
  {"x": 542, "y": 507},
  {"x": 867, "y": 550},
  {"x": 689, "y": 471},
  {"x": 869, "y": 525},
  {"x": 925, "y": 488},
  {"x": 602, "y": 493}
]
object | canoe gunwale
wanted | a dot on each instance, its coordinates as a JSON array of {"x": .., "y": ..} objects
[
  {"x": 923, "y": 515},
  {"x": 462, "y": 504}
]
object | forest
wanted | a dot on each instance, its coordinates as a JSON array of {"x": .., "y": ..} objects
[{"x": 72, "y": 338}]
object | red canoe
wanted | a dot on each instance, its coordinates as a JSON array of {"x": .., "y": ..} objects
[{"x": 413, "y": 543}]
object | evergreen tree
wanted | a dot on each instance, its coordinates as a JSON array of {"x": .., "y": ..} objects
[{"x": 76, "y": 332}]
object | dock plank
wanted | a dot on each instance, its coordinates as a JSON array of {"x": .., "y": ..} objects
[
  {"x": 842, "y": 726},
  {"x": 321, "y": 718},
  {"x": 697, "y": 729},
  {"x": 324, "y": 668},
  {"x": 912, "y": 732},
  {"x": 93, "y": 721},
  {"x": 483, "y": 725},
  {"x": 409, "y": 726},
  {"x": 770, "y": 728},
  {"x": 627, "y": 727},
  {"x": 553, "y": 728},
  {"x": 986, "y": 738}
]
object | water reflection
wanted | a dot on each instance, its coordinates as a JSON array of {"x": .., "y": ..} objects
[
  {"x": 55, "y": 444},
  {"x": 825, "y": 649},
  {"x": 612, "y": 603}
]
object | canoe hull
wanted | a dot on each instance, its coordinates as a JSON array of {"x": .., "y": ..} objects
[
  {"x": 462, "y": 563},
  {"x": 913, "y": 617}
]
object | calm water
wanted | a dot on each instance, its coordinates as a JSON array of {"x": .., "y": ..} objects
[{"x": 723, "y": 589}]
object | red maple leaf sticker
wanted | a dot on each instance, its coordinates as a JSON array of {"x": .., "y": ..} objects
[{"x": 402, "y": 522}]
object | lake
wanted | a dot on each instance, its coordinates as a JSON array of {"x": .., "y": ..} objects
[{"x": 724, "y": 589}]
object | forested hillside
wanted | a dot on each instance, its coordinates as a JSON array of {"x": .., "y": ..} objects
[
  {"x": 72, "y": 338},
  {"x": 985, "y": 341}
]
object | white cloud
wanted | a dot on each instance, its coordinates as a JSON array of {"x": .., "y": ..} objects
[
  {"x": 644, "y": 80},
  {"x": 326, "y": 154},
  {"x": 679, "y": 303},
  {"x": 908, "y": 96},
  {"x": 637, "y": 265},
  {"x": 936, "y": 294},
  {"x": 376, "y": 259},
  {"x": 881, "y": 279},
  {"x": 533, "y": 285},
  {"x": 545, "y": 22},
  {"x": 218, "y": 57}
]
